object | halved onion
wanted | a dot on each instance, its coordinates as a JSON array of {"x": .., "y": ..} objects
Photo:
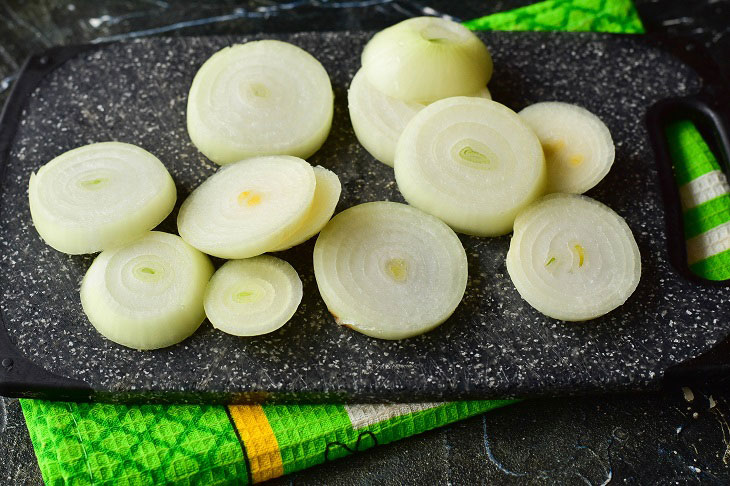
[
  {"x": 573, "y": 258},
  {"x": 578, "y": 147},
  {"x": 249, "y": 207},
  {"x": 426, "y": 59},
  {"x": 99, "y": 195},
  {"x": 147, "y": 294},
  {"x": 253, "y": 296},
  {"x": 379, "y": 120},
  {"x": 471, "y": 162},
  {"x": 389, "y": 270},
  {"x": 260, "y": 98},
  {"x": 326, "y": 196}
]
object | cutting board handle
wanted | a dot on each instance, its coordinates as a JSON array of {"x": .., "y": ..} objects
[
  {"x": 712, "y": 121},
  {"x": 21, "y": 378}
]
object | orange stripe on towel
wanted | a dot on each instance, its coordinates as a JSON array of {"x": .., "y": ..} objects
[{"x": 262, "y": 447}]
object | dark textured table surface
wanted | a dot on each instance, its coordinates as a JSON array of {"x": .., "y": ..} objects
[{"x": 677, "y": 437}]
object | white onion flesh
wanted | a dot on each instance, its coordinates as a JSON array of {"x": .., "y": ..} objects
[
  {"x": 426, "y": 59},
  {"x": 573, "y": 258},
  {"x": 326, "y": 196},
  {"x": 98, "y": 196},
  {"x": 378, "y": 119},
  {"x": 147, "y": 294},
  {"x": 388, "y": 270},
  {"x": 260, "y": 98},
  {"x": 253, "y": 296},
  {"x": 578, "y": 147},
  {"x": 248, "y": 208},
  {"x": 471, "y": 162}
]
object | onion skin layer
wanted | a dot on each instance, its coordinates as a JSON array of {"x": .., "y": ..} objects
[
  {"x": 157, "y": 300},
  {"x": 111, "y": 214}
]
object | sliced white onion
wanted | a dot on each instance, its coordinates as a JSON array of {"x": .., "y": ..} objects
[
  {"x": 326, "y": 196},
  {"x": 260, "y": 98},
  {"x": 253, "y": 296},
  {"x": 379, "y": 120},
  {"x": 98, "y": 196},
  {"x": 147, "y": 294},
  {"x": 578, "y": 147},
  {"x": 389, "y": 270},
  {"x": 471, "y": 162},
  {"x": 426, "y": 59},
  {"x": 573, "y": 258},
  {"x": 249, "y": 207}
]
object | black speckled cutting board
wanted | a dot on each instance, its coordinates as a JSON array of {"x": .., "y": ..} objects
[{"x": 495, "y": 345}]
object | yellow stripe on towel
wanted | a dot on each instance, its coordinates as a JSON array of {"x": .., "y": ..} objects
[{"x": 261, "y": 445}]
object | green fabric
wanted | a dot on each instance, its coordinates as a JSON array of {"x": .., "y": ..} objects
[
  {"x": 306, "y": 434},
  {"x": 706, "y": 216},
  {"x": 618, "y": 16},
  {"x": 105, "y": 444},
  {"x": 83, "y": 444},
  {"x": 692, "y": 158},
  {"x": 716, "y": 267},
  {"x": 303, "y": 432},
  {"x": 689, "y": 151}
]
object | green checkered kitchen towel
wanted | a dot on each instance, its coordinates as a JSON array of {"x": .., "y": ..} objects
[
  {"x": 104, "y": 444},
  {"x": 705, "y": 196},
  {"x": 100, "y": 444}
]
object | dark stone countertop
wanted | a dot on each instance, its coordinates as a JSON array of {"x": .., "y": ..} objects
[{"x": 674, "y": 437}]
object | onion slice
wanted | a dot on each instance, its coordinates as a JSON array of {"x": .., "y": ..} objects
[
  {"x": 578, "y": 147},
  {"x": 573, "y": 258},
  {"x": 147, "y": 294},
  {"x": 253, "y": 296},
  {"x": 471, "y": 162},
  {"x": 389, "y": 270},
  {"x": 248, "y": 208},
  {"x": 426, "y": 59},
  {"x": 260, "y": 98},
  {"x": 378, "y": 119},
  {"x": 326, "y": 196},
  {"x": 99, "y": 195}
]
